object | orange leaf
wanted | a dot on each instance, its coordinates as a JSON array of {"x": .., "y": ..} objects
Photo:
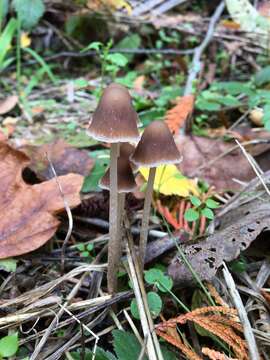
[
  {"x": 28, "y": 211},
  {"x": 176, "y": 117},
  {"x": 215, "y": 355}
]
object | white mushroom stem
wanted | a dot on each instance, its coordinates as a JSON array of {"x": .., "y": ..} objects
[
  {"x": 114, "y": 243},
  {"x": 146, "y": 213}
]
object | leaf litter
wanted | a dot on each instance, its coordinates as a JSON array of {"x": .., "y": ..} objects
[{"x": 30, "y": 210}]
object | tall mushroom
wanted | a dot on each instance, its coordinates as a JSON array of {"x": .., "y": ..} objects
[
  {"x": 126, "y": 183},
  {"x": 114, "y": 121},
  {"x": 156, "y": 147}
]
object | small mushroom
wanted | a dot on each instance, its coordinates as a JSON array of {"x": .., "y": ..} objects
[
  {"x": 126, "y": 183},
  {"x": 114, "y": 121},
  {"x": 156, "y": 147},
  {"x": 126, "y": 150}
]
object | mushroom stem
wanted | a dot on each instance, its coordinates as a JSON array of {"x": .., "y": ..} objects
[
  {"x": 114, "y": 243},
  {"x": 121, "y": 208},
  {"x": 146, "y": 214}
]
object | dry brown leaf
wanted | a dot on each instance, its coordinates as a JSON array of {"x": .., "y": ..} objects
[
  {"x": 223, "y": 323},
  {"x": 8, "y": 104},
  {"x": 176, "y": 117},
  {"x": 65, "y": 158},
  {"x": 238, "y": 229},
  {"x": 29, "y": 219},
  {"x": 215, "y": 355},
  {"x": 198, "y": 152}
]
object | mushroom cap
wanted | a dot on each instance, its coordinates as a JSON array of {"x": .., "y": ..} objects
[
  {"x": 156, "y": 147},
  {"x": 126, "y": 150},
  {"x": 114, "y": 119},
  {"x": 125, "y": 178}
]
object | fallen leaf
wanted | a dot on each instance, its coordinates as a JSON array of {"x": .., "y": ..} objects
[
  {"x": 31, "y": 210},
  {"x": 198, "y": 152},
  {"x": 238, "y": 229},
  {"x": 250, "y": 20},
  {"x": 65, "y": 158},
  {"x": 176, "y": 117},
  {"x": 169, "y": 181},
  {"x": 138, "y": 83},
  {"x": 231, "y": 25},
  {"x": 216, "y": 355},
  {"x": 8, "y": 104}
]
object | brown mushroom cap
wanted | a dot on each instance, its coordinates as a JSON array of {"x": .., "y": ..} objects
[
  {"x": 125, "y": 178},
  {"x": 126, "y": 150},
  {"x": 114, "y": 119},
  {"x": 156, "y": 147}
]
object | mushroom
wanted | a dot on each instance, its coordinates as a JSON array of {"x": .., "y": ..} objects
[
  {"x": 114, "y": 121},
  {"x": 126, "y": 183},
  {"x": 126, "y": 150},
  {"x": 156, "y": 147}
]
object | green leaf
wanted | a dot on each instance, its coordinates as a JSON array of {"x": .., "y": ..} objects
[
  {"x": 128, "y": 79},
  {"x": 92, "y": 180},
  {"x": 117, "y": 59},
  {"x": 90, "y": 247},
  {"x": 191, "y": 215},
  {"x": 202, "y": 104},
  {"x": 80, "y": 247},
  {"x": 238, "y": 266},
  {"x": 84, "y": 254},
  {"x": 100, "y": 355},
  {"x": 229, "y": 100},
  {"x": 212, "y": 204},
  {"x": 126, "y": 345},
  {"x": 148, "y": 116},
  {"x": 129, "y": 42},
  {"x": 42, "y": 63},
  {"x": 3, "y": 10},
  {"x": 198, "y": 300},
  {"x": 154, "y": 303},
  {"x": 9, "y": 345},
  {"x": 263, "y": 76},
  {"x": 266, "y": 117},
  {"x": 8, "y": 265},
  {"x": 157, "y": 277},
  {"x": 5, "y": 39},
  {"x": 29, "y": 12},
  {"x": 233, "y": 87},
  {"x": 208, "y": 213},
  {"x": 195, "y": 201},
  {"x": 96, "y": 45}
]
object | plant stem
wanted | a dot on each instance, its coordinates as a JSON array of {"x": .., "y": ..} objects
[
  {"x": 146, "y": 213},
  {"x": 18, "y": 57},
  {"x": 113, "y": 247}
]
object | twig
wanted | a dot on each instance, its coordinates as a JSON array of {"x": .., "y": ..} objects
[
  {"x": 52, "y": 325},
  {"x": 69, "y": 214},
  {"x": 167, "y": 6},
  {"x": 71, "y": 54},
  {"x": 85, "y": 327},
  {"x": 196, "y": 62},
  {"x": 145, "y": 7},
  {"x": 227, "y": 152},
  {"x": 152, "y": 345},
  {"x": 249, "y": 336},
  {"x": 105, "y": 225},
  {"x": 254, "y": 167}
]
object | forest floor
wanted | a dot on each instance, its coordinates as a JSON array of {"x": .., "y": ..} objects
[{"x": 205, "y": 289}]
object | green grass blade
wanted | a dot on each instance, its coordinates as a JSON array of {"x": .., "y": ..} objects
[
  {"x": 6, "y": 38},
  {"x": 42, "y": 63}
]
